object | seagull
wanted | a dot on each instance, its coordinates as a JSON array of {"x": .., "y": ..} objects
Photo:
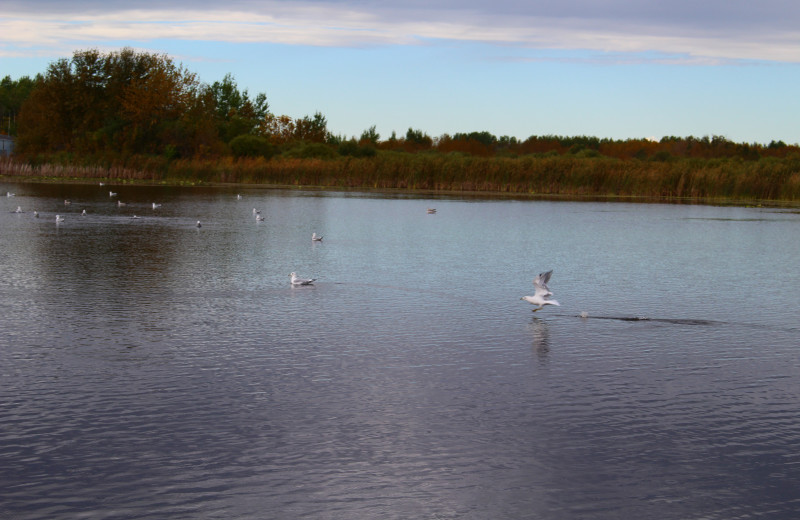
[
  {"x": 83, "y": 213},
  {"x": 199, "y": 224},
  {"x": 315, "y": 238},
  {"x": 259, "y": 218},
  {"x": 301, "y": 281},
  {"x": 156, "y": 206},
  {"x": 67, "y": 202},
  {"x": 133, "y": 217},
  {"x": 36, "y": 214},
  {"x": 238, "y": 197},
  {"x": 120, "y": 203},
  {"x": 59, "y": 218},
  {"x": 256, "y": 212},
  {"x": 9, "y": 194},
  {"x": 18, "y": 210},
  {"x": 112, "y": 194},
  {"x": 541, "y": 296}
]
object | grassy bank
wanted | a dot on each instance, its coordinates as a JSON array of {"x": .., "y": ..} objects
[{"x": 733, "y": 179}]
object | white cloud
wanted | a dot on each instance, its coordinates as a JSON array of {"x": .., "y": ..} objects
[{"x": 331, "y": 23}]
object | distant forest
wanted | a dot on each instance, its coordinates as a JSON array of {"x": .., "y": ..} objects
[{"x": 142, "y": 112}]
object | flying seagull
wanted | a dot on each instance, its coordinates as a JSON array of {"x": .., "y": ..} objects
[
  {"x": 301, "y": 281},
  {"x": 541, "y": 296}
]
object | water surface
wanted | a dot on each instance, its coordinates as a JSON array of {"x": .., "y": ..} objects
[{"x": 153, "y": 369}]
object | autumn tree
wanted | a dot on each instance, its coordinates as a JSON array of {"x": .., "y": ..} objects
[
  {"x": 278, "y": 129},
  {"x": 283, "y": 130},
  {"x": 120, "y": 102},
  {"x": 311, "y": 129},
  {"x": 155, "y": 102}
]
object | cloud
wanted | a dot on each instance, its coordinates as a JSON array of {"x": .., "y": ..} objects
[{"x": 715, "y": 31}]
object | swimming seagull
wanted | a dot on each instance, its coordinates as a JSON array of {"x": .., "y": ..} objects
[
  {"x": 156, "y": 206},
  {"x": 112, "y": 194},
  {"x": 120, "y": 203},
  {"x": 18, "y": 210},
  {"x": 259, "y": 218},
  {"x": 541, "y": 296},
  {"x": 238, "y": 197},
  {"x": 315, "y": 238},
  {"x": 83, "y": 213},
  {"x": 59, "y": 218},
  {"x": 36, "y": 214},
  {"x": 301, "y": 281},
  {"x": 199, "y": 224}
]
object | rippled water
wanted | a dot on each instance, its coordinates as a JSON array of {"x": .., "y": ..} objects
[{"x": 152, "y": 369}]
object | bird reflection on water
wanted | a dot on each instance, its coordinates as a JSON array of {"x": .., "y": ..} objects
[{"x": 541, "y": 338}]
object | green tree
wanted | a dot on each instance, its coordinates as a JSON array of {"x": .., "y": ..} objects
[
  {"x": 417, "y": 140},
  {"x": 236, "y": 113},
  {"x": 370, "y": 135},
  {"x": 12, "y": 94}
]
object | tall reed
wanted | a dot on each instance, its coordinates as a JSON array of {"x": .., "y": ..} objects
[{"x": 569, "y": 175}]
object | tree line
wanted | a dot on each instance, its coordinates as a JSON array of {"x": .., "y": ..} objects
[{"x": 126, "y": 103}]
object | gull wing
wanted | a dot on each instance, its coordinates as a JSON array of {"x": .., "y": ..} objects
[
  {"x": 540, "y": 283},
  {"x": 542, "y": 279}
]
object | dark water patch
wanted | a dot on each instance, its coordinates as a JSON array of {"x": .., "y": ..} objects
[
  {"x": 691, "y": 322},
  {"x": 675, "y": 321}
]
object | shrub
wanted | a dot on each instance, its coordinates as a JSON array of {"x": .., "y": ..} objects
[
  {"x": 251, "y": 146},
  {"x": 353, "y": 149},
  {"x": 310, "y": 151}
]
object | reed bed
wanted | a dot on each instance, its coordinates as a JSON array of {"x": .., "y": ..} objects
[{"x": 774, "y": 179}]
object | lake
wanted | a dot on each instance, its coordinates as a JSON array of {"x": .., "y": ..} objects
[{"x": 153, "y": 369}]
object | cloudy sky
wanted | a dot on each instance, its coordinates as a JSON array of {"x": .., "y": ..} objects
[{"x": 607, "y": 68}]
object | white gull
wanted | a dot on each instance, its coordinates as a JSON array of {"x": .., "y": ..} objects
[
  {"x": 296, "y": 280},
  {"x": 541, "y": 296}
]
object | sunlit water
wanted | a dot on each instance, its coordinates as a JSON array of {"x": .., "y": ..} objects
[{"x": 153, "y": 369}]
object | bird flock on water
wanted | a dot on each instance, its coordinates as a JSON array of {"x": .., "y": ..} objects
[{"x": 541, "y": 297}]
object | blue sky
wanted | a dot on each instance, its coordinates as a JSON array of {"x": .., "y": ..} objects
[{"x": 614, "y": 68}]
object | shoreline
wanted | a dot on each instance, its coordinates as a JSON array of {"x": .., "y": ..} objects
[{"x": 475, "y": 194}]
